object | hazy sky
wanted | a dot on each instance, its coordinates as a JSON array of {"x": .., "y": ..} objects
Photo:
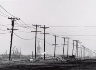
[{"x": 79, "y": 13}]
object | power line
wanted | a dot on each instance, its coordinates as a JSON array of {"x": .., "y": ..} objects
[
  {"x": 24, "y": 31},
  {"x": 72, "y": 26},
  {"x": 11, "y": 15},
  {"x": 26, "y": 24},
  {"x": 20, "y": 25},
  {"x": 23, "y": 38},
  {"x": 6, "y": 10},
  {"x": 78, "y": 35},
  {"x": 3, "y": 25},
  {"x": 45, "y": 41},
  {"x": 3, "y": 33},
  {"x": 4, "y": 14},
  {"x": 74, "y": 31}
]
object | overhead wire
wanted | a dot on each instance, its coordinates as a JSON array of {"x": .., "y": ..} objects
[
  {"x": 6, "y": 11},
  {"x": 25, "y": 31},
  {"x": 78, "y": 35},
  {"x": 26, "y": 24},
  {"x": 3, "y": 30},
  {"x": 5, "y": 14},
  {"x": 32, "y": 27},
  {"x": 2, "y": 15},
  {"x": 4, "y": 25},
  {"x": 23, "y": 38},
  {"x": 72, "y": 26},
  {"x": 13, "y": 16},
  {"x": 45, "y": 41},
  {"x": 22, "y": 26},
  {"x": 3, "y": 33}
]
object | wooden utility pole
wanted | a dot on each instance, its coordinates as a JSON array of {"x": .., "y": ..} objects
[
  {"x": 80, "y": 48},
  {"x": 63, "y": 45},
  {"x": 32, "y": 54},
  {"x": 83, "y": 51},
  {"x": 76, "y": 41},
  {"x": 55, "y": 46},
  {"x": 73, "y": 48},
  {"x": 36, "y": 36},
  {"x": 44, "y": 38},
  {"x": 77, "y": 47},
  {"x": 13, "y": 19},
  {"x": 20, "y": 52},
  {"x": 67, "y": 45}
]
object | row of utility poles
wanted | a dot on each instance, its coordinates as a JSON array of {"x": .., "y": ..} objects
[
  {"x": 75, "y": 42},
  {"x": 14, "y": 19}
]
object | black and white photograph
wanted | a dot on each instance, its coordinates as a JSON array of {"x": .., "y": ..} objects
[{"x": 47, "y": 34}]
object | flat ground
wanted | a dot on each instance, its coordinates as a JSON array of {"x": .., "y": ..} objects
[{"x": 47, "y": 65}]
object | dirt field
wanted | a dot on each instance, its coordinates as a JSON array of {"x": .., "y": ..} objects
[{"x": 20, "y": 65}]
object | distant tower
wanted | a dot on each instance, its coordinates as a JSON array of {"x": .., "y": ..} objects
[{"x": 38, "y": 48}]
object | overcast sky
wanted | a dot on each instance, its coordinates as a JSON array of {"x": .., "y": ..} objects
[{"x": 79, "y": 13}]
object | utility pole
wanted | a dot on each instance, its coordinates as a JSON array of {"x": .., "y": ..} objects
[
  {"x": 67, "y": 45},
  {"x": 13, "y": 19},
  {"x": 83, "y": 51},
  {"x": 73, "y": 48},
  {"x": 87, "y": 50},
  {"x": 32, "y": 54},
  {"x": 44, "y": 38},
  {"x": 20, "y": 52},
  {"x": 95, "y": 53},
  {"x": 80, "y": 48},
  {"x": 77, "y": 47},
  {"x": 63, "y": 45},
  {"x": 36, "y": 36},
  {"x": 55, "y": 45}
]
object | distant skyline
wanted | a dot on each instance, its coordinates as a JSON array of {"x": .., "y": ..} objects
[{"x": 75, "y": 19}]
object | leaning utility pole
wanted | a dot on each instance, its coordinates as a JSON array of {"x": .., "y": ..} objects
[
  {"x": 44, "y": 38},
  {"x": 55, "y": 45},
  {"x": 36, "y": 36},
  {"x": 13, "y": 19}
]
